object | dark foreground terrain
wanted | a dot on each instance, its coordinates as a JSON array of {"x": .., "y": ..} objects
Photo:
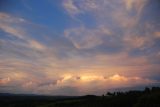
[{"x": 147, "y": 98}]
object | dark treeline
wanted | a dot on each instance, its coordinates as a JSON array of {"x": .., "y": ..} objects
[{"x": 149, "y": 97}]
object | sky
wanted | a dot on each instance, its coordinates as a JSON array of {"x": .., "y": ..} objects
[{"x": 78, "y": 47}]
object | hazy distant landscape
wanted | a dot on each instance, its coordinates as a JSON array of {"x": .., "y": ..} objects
[{"x": 149, "y": 97}]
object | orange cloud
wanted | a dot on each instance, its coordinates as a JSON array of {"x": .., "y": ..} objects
[
  {"x": 118, "y": 78},
  {"x": 157, "y": 34},
  {"x": 137, "y": 4},
  {"x": 113, "y": 79},
  {"x": 4, "y": 81},
  {"x": 91, "y": 83},
  {"x": 36, "y": 45}
]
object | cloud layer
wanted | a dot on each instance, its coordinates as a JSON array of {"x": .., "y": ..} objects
[{"x": 110, "y": 44}]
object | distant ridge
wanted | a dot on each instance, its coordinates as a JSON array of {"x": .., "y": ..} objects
[{"x": 12, "y": 94}]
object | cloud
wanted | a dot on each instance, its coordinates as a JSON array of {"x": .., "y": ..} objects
[
  {"x": 28, "y": 84},
  {"x": 21, "y": 53},
  {"x": 104, "y": 6},
  {"x": 114, "y": 79},
  {"x": 7, "y": 24},
  {"x": 17, "y": 27},
  {"x": 118, "y": 78},
  {"x": 110, "y": 44},
  {"x": 70, "y": 6},
  {"x": 12, "y": 31},
  {"x": 24, "y": 59},
  {"x": 136, "y": 4},
  {"x": 83, "y": 38},
  {"x": 4, "y": 81},
  {"x": 84, "y": 83},
  {"x": 36, "y": 45},
  {"x": 138, "y": 42},
  {"x": 157, "y": 34},
  {"x": 123, "y": 15}
]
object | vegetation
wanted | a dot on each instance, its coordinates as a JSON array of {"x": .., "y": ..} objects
[{"x": 147, "y": 98}]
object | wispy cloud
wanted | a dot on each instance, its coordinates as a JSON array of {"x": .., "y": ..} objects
[
  {"x": 121, "y": 18},
  {"x": 71, "y": 8},
  {"x": 87, "y": 38}
]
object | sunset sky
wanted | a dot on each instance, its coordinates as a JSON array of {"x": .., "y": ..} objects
[{"x": 78, "y": 47}]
